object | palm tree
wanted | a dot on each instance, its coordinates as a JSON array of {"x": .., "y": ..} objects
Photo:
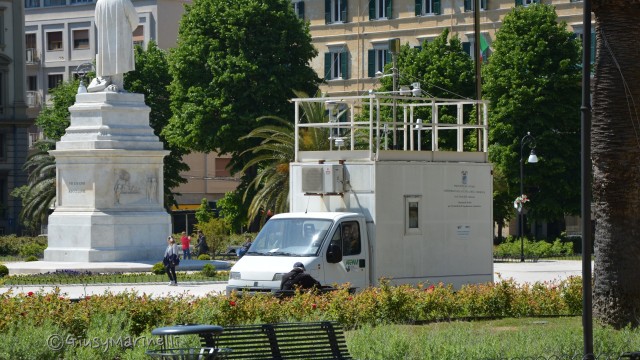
[
  {"x": 275, "y": 152},
  {"x": 615, "y": 141},
  {"x": 40, "y": 193}
]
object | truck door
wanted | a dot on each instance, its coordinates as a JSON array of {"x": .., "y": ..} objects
[{"x": 350, "y": 237}]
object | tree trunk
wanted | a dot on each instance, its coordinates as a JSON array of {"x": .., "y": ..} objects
[{"x": 616, "y": 163}]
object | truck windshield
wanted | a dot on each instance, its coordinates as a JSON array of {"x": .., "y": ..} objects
[{"x": 290, "y": 237}]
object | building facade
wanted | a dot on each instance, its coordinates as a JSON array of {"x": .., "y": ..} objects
[
  {"x": 13, "y": 118},
  {"x": 352, "y": 36}
]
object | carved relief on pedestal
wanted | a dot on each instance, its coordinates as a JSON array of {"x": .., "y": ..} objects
[
  {"x": 152, "y": 189},
  {"x": 123, "y": 185}
]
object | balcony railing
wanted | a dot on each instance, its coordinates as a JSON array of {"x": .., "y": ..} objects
[
  {"x": 33, "y": 99},
  {"x": 34, "y": 137},
  {"x": 32, "y": 56}
]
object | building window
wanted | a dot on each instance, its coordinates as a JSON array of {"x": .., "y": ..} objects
[
  {"x": 138, "y": 36},
  {"x": 469, "y": 5},
  {"x": 30, "y": 45},
  {"x": 32, "y": 83},
  {"x": 80, "y": 39},
  {"x": 526, "y": 2},
  {"x": 2, "y": 27},
  {"x": 222, "y": 167},
  {"x": 335, "y": 11},
  {"x": 54, "y": 80},
  {"x": 28, "y": 4},
  {"x": 412, "y": 214},
  {"x": 380, "y": 9},
  {"x": 377, "y": 59},
  {"x": 298, "y": 8},
  {"x": 54, "y": 41},
  {"x": 55, "y": 2},
  {"x": 336, "y": 65},
  {"x": 427, "y": 7},
  {"x": 82, "y": 1}
]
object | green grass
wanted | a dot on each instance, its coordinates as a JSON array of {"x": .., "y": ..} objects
[
  {"x": 557, "y": 338},
  {"x": 71, "y": 277}
]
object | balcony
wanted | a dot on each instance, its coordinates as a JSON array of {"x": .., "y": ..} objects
[
  {"x": 32, "y": 56},
  {"x": 33, "y": 99}
]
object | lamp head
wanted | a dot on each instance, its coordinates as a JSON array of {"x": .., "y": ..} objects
[{"x": 532, "y": 157}]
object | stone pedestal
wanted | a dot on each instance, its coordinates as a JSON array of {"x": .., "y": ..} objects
[{"x": 109, "y": 187}]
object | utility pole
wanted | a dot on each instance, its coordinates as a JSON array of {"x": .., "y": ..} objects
[{"x": 476, "y": 50}]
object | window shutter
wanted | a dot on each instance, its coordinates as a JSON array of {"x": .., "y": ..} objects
[
  {"x": 484, "y": 4},
  {"x": 387, "y": 57},
  {"x": 389, "y": 9},
  {"x": 343, "y": 10},
  {"x": 344, "y": 65},
  {"x": 418, "y": 48},
  {"x": 371, "y": 58},
  {"x": 301, "y": 10},
  {"x": 327, "y": 11},
  {"x": 418, "y": 7},
  {"x": 436, "y": 7},
  {"x": 467, "y": 5},
  {"x": 327, "y": 66},
  {"x": 466, "y": 47},
  {"x": 518, "y": 2},
  {"x": 372, "y": 10}
]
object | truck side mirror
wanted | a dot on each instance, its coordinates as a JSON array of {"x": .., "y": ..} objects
[{"x": 334, "y": 254}]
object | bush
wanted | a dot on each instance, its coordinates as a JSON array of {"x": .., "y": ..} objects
[
  {"x": 158, "y": 268},
  {"x": 209, "y": 270},
  {"x": 4, "y": 271},
  {"x": 204, "y": 257},
  {"x": 12, "y": 245},
  {"x": 31, "y": 258},
  {"x": 32, "y": 250}
]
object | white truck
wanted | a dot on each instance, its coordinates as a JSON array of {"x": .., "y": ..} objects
[{"x": 360, "y": 213}]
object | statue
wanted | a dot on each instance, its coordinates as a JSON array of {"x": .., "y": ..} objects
[{"x": 116, "y": 20}]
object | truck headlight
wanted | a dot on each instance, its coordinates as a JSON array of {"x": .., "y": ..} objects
[
  {"x": 234, "y": 275},
  {"x": 278, "y": 276}
]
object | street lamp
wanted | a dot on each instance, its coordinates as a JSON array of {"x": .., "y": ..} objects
[{"x": 532, "y": 160}]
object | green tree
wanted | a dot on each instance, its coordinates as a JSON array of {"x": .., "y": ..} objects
[
  {"x": 231, "y": 207},
  {"x": 444, "y": 70},
  {"x": 234, "y": 62},
  {"x": 39, "y": 195},
  {"x": 615, "y": 154},
  {"x": 532, "y": 81},
  {"x": 54, "y": 118},
  {"x": 204, "y": 212},
  {"x": 152, "y": 78},
  {"x": 217, "y": 232}
]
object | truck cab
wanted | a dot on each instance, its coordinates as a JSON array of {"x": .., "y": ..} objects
[{"x": 333, "y": 246}]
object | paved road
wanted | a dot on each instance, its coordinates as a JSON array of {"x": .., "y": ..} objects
[{"x": 521, "y": 272}]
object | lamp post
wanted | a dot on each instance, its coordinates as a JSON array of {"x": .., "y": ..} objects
[{"x": 532, "y": 159}]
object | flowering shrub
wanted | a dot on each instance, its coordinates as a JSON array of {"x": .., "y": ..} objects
[
  {"x": 136, "y": 315},
  {"x": 519, "y": 202}
]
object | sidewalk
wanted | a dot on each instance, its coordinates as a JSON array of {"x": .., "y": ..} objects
[{"x": 520, "y": 272}]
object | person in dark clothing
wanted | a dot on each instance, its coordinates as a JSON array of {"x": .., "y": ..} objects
[
  {"x": 203, "y": 248},
  {"x": 297, "y": 278}
]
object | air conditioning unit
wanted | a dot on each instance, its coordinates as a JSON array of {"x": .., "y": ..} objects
[{"x": 323, "y": 179}]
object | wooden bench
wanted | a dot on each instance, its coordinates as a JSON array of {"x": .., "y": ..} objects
[{"x": 282, "y": 341}]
